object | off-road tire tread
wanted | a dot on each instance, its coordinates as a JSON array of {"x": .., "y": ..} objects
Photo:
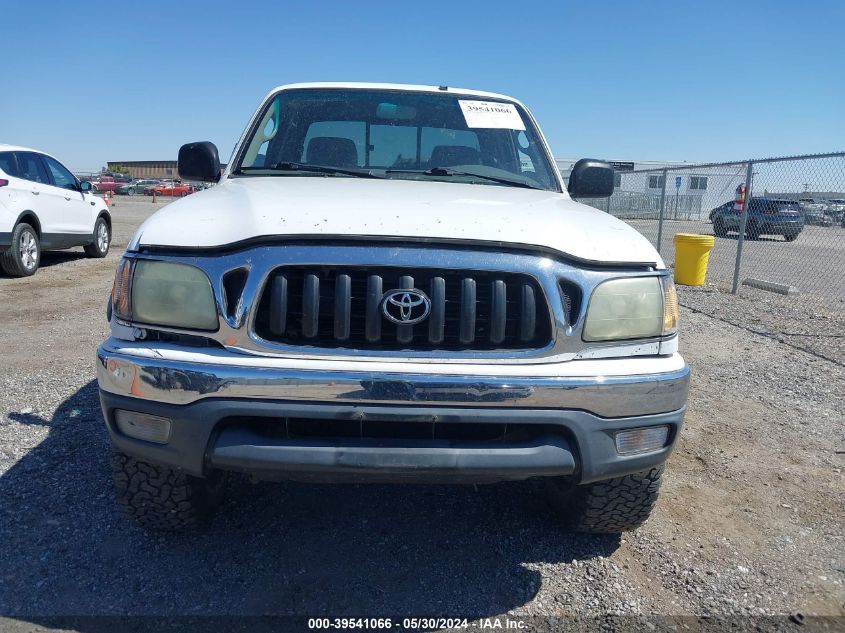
[
  {"x": 610, "y": 506},
  {"x": 158, "y": 497}
]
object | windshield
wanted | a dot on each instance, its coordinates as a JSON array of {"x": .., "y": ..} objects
[{"x": 396, "y": 134}]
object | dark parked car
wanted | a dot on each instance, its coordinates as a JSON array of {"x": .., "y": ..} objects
[
  {"x": 766, "y": 216},
  {"x": 836, "y": 209},
  {"x": 722, "y": 208},
  {"x": 137, "y": 187},
  {"x": 815, "y": 212},
  {"x": 815, "y": 215}
]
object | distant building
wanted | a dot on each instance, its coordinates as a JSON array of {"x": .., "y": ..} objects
[
  {"x": 565, "y": 166},
  {"x": 690, "y": 192},
  {"x": 147, "y": 168}
]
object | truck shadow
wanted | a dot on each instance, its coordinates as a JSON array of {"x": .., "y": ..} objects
[
  {"x": 293, "y": 549},
  {"x": 54, "y": 258}
]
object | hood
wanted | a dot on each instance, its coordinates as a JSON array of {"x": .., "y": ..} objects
[{"x": 239, "y": 209}]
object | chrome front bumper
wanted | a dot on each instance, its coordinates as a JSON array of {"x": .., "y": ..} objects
[
  {"x": 203, "y": 390},
  {"x": 169, "y": 375}
]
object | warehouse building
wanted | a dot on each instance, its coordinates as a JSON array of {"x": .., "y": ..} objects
[
  {"x": 690, "y": 193},
  {"x": 146, "y": 168}
]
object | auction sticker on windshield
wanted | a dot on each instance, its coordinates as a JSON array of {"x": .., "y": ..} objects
[{"x": 491, "y": 114}]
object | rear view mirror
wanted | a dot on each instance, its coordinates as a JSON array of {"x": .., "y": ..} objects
[
  {"x": 85, "y": 186},
  {"x": 395, "y": 112},
  {"x": 591, "y": 178},
  {"x": 199, "y": 161}
]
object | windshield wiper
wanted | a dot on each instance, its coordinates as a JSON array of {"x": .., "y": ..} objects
[
  {"x": 448, "y": 171},
  {"x": 320, "y": 169}
]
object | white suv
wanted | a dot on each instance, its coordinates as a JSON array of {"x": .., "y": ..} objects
[{"x": 44, "y": 207}]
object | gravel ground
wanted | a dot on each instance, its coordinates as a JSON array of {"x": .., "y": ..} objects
[
  {"x": 812, "y": 263},
  {"x": 749, "y": 523},
  {"x": 814, "y": 325}
]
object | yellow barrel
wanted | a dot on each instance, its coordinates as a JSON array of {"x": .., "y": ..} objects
[{"x": 691, "y": 255}]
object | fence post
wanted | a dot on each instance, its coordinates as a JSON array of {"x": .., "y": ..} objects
[
  {"x": 749, "y": 174},
  {"x": 662, "y": 210}
]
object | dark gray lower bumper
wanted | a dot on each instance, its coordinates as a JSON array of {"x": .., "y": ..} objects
[
  {"x": 391, "y": 460},
  {"x": 567, "y": 442}
]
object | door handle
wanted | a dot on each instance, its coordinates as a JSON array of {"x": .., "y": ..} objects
[
  {"x": 67, "y": 197},
  {"x": 36, "y": 193}
]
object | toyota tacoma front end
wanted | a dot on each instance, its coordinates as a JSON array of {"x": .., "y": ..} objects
[{"x": 391, "y": 283}]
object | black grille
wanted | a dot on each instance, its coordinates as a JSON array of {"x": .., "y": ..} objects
[
  {"x": 337, "y": 430},
  {"x": 340, "y": 307}
]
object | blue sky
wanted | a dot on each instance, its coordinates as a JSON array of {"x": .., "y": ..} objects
[{"x": 698, "y": 81}]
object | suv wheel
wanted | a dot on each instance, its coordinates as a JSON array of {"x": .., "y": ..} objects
[
  {"x": 161, "y": 498},
  {"x": 790, "y": 237},
  {"x": 102, "y": 240},
  {"x": 719, "y": 227},
  {"x": 610, "y": 506},
  {"x": 752, "y": 231},
  {"x": 24, "y": 255}
]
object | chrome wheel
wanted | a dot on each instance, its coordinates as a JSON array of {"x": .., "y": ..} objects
[
  {"x": 28, "y": 248},
  {"x": 102, "y": 237}
]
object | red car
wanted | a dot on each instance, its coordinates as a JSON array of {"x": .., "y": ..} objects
[
  {"x": 171, "y": 189},
  {"x": 106, "y": 183}
]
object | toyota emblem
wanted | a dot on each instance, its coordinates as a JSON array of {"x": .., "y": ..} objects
[{"x": 405, "y": 307}]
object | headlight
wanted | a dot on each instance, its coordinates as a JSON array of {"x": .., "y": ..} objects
[
  {"x": 164, "y": 293},
  {"x": 631, "y": 308}
]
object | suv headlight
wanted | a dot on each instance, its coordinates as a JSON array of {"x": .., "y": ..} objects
[
  {"x": 164, "y": 293},
  {"x": 632, "y": 308}
]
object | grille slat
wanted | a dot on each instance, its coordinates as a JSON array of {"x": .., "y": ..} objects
[
  {"x": 340, "y": 307},
  {"x": 310, "y": 305},
  {"x": 437, "y": 319},
  {"x": 528, "y": 312},
  {"x": 405, "y": 333},
  {"x": 278, "y": 304},
  {"x": 468, "y": 305},
  {"x": 373, "y": 318},
  {"x": 498, "y": 312}
]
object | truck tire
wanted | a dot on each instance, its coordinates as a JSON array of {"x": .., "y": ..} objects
[
  {"x": 163, "y": 499},
  {"x": 102, "y": 240},
  {"x": 24, "y": 254},
  {"x": 606, "y": 507}
]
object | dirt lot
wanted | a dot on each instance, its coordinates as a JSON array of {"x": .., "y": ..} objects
[{"x": 750, "y": 521}]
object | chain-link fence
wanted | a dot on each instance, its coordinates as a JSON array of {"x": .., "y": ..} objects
[{"x": 791, "y": 230}]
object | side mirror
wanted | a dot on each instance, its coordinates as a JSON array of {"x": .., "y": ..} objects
[
  {"x": 591, "y": 179},
  {"x": 85, "y": 186},
  {"x": 199, "y": 161}
]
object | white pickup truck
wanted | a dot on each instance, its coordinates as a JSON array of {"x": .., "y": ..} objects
[{"x": 391, "y": 283}]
